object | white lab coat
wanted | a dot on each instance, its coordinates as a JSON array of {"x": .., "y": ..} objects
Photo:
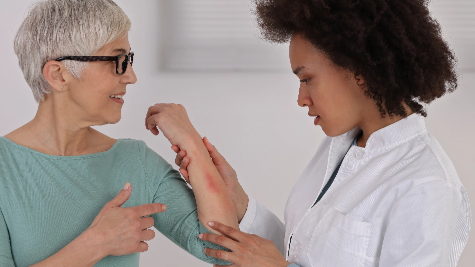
[{"x": 396, "y": 202}]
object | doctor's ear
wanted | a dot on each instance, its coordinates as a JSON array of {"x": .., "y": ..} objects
[
  {"x": 359, "y": 80},
  {"x": 54, "y": 73}
]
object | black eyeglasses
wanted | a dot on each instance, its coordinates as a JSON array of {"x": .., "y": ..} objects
[{"x": 121, "y": 61}]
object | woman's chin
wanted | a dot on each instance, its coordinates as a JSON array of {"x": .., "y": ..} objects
[
  {"x": 331, "y": 132},
  {"x": 114, "y": 120}
]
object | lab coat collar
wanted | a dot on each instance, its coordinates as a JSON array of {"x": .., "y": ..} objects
[
  {"x": 391, "y": 135},
  {"x": 397, "y": 133},
  {"x": 388, "y": 136}
]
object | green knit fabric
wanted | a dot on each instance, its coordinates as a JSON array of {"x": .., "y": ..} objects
[{"x": 47, "y": 201}]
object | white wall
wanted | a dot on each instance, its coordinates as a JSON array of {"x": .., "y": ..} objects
[{"x": 253, "y": 118}]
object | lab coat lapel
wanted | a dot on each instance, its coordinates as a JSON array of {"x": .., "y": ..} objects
[{"x": 338, "y": 148}]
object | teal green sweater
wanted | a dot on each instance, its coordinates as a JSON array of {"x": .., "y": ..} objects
[{"x": 47, "y": 201}]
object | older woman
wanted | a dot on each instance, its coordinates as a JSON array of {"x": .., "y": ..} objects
[
  {"x": 380, "y": 190},
  {"x": 60, "y": 177}
]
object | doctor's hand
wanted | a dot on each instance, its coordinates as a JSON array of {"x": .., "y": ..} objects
[
  {"x": 236, "y": 192},
  {"x": 246, "y": 250}
]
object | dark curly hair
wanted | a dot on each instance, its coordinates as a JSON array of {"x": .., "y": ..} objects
[{"x": 394, "y": 44}]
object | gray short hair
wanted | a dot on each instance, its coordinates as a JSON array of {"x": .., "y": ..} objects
[{"x": 56, "y": 28}]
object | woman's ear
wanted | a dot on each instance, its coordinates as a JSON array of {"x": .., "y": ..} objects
[
  {"x": 53, "y": 72},
  {"x": 360, "y": 80}
]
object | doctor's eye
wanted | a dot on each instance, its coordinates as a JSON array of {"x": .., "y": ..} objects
[{"x": 305, "y": 81}]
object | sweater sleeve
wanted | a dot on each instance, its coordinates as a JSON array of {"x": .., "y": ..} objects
[
  {"x": 260, "y": 221},
  {"x": 6, "y": 259},
  {"x": 179, "y": 222}
]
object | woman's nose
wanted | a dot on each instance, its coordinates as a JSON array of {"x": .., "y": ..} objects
[
  {"x": 304, "y": 99},
  {"x": 129, "y": 75}
]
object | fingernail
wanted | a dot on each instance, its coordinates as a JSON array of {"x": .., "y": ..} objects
[
  {"x": 200, "y": 236},
  {"x": 211, "y": 224},
  {"x": 127, "y": 186},
  {"x": 204, "y": 250},
  {"x": 164, "y": 207}
]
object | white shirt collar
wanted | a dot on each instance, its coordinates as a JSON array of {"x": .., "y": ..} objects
[
  {"x": 390, "y": 135},
  {"x": 398, "y": 132}
]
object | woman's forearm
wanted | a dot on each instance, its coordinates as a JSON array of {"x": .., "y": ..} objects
[
  {"x": 212, "y": 198},
  {"x": 81, "y": 252},
  {"x": 238, "y": 196}
]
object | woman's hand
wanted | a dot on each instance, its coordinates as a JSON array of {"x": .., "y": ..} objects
[
  {"x": 115, "y": 231},
  {"x": 173, "y": 121},
  {"x": 236, "y": 192},
  {"x": 246, "y": 250},
  {"x": 122, "y": 231}
]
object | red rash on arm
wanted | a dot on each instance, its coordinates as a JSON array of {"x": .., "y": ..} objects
[
  {"x": 211, "y": 184},
  {"x": 212, "y": 199}
]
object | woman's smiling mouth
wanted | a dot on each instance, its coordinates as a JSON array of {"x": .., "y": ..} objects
[{"x": 117, "y": 98}]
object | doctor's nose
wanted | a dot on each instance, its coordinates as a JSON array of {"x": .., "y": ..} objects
[{"x": 304, "y": 99}]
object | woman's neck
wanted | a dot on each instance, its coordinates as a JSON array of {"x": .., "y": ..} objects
[
  {"x": 374, "y": 122},
  {"x": 55, "y": 131}
]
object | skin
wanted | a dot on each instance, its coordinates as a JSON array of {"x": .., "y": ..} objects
[
  {"x": 211, "y": 185},
  {"x": 62, "y": 127},
  {"x": 246, "y": 250},
  {"x": 327, "y": 91},
  {"x": 238, "y": 196},
  {"x": 334, "y": 93},
  {"x": 212, "y": 197},
  {"x": 115, "y": 231}
]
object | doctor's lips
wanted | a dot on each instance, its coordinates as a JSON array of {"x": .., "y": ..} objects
[{"x": 317, "y": 118}]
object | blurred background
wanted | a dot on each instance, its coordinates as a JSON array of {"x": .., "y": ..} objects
[{"x": 240, "y": 92}]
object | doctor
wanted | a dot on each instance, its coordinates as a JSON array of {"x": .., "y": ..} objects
[{"x": 380, "y": 190}]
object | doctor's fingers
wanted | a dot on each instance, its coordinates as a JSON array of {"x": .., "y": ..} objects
[
  {"x": 185, "y": 175},
  {"x": 176, "y": 148},
  {"x": 180, "y": 155},
  {"x": 184, "y": 163},
  {"x": 222, "y": 241},
  {"x": 217, "y": 158},
  {"x": 233, "y": 233},
  {"x": 223, "y": 255}
]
